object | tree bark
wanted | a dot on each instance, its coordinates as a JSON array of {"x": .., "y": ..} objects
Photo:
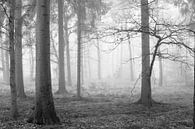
[
  {"x": 6, "y": 71},
  {"x": 82, "y": 63},
  {"x": 146, "y": 95},
  {"x": 160, "y": 71},
  {"x": 131, "y": 61},
  {"x": 79, "y": 50},
  {"x": 2, "y": 57},
  {"x": 99, "y": 59},
  {"x": 88, "y": 61},
  {"x": 61, "y": 46},
  {"x": 68, "y": 51},
  {"x": 32, "y": 63},
  {"x": 18, "y": 50},
  {"x": 14, "y": 109},
  {"x": 6, "y": 63},
  {"x": 194, "y": 87},
  {"x": 44, "y": 112}
]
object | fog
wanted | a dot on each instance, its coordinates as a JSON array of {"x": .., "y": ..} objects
[
  {"x": 95, "y": 64},
  {"x": 114, "y": 52}
]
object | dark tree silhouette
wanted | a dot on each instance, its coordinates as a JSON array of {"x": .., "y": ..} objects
[{"x": 44, "y": 112}]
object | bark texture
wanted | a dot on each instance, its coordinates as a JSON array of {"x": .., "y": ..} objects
[
  {"x": 79, "y": 50},
  {"x": 44, "y": 112},
  {"x": 131, "y": 60},
  {"x": 18, "y": 50},
  {"x": 146, "y": 96},
  {"x": 68, "y": 51},
  {"x": 99, "y": 59},
  {"x": 61, "y": 83},
  {"x": 194, "y": 88},
  {"x": 14, "y": 110}
]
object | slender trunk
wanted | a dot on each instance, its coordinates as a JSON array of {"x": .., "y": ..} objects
[
  {"x": 7, "y": 67},
  {"x": 14, "y": 109},
  {"x": 160, "y": 59},
  {"x": 32, "y": 61},
  {"x": 146, "y": 95},
  {"x": 68, "y": 52},
  {"x": 2, "y": 45},
  {"x": 121, "y": 58},
  {"x": 194, "y": 87},
  {"x": 79, "y": 50},
  {"x": 160, "y": 71},
  {"x": 6, "y": 64},
  {"x": 82, "y": 65},
  {"x": 99, "y": 59},
  {"x": 2, "y": 59},
  {"x": 18, "y": 51},
  {"x": 62, "y": 87},
  {"x": 185, "y": 65},
  {"x": 88, "y": 61},
  {"x": 44, "y": 112},
  {"x": 112, "y": 64},
  {"x": 131, "y": 61}
]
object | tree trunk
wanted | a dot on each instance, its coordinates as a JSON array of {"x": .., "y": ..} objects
[
  {"x": 6, "y": 71},
  {"x": 194, "y": 87},
  {"x": 160, "y": 71},
  {"x": 44, "y": 112},
  {"x": 88, "y": 61},
  {"x": 99, "y": 59},
  {"x": 61, "y": 83},
  {"x": 82, "y": 64},
  {"x": 112, "y": 72},
  {"x": 14, "y": 109},
  {"x": 68, "y": 52},
  {"x": 160, "y": 59},
  {"x": 131, "y": 60},
  {"x": 32, "y": 63},
  {"x": 2, "y": 58},
  {"x": 6, "y": 63},
  {"x": 18, "y": 51},
  {"x": 121, "y": 60},
  {"x": 146, "y": 95},
  {"x": 79, "y": 50}
]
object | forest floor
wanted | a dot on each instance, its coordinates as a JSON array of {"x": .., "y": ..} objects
[{"x": 108, "y": 111}]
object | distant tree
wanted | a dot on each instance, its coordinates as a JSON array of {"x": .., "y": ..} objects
[
  {"x": 130, "y": 57},
  {"x": 187, "y": 9},
  {"x": 44, "y": 112},
  {"x": 67, "y": 17},
  {"x": 99, "y": 59},
  {"x": 159, "y": 57}
]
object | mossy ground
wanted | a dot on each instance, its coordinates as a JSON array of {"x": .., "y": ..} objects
[{"x": 108, "y": 111}]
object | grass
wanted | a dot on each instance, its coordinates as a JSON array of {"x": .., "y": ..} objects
[{"x": 108, "y": 111}]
